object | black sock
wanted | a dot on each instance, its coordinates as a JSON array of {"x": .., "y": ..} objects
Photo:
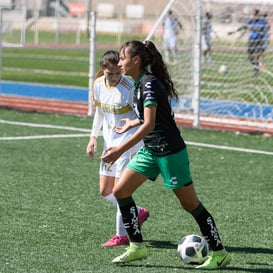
[
  {"x": 129, "y": 213},
  {"x": 207, "y": 226}
]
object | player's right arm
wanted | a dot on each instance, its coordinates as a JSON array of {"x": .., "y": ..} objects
[
  {"x": 242, "y": 28},
  {"x": 97, "y": 125}
]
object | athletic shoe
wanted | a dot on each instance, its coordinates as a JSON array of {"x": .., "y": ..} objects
[
  {"x": 218, "y": 259},
  {"x": 116, "y": 240},
  {"x": 136, "y": 251},
  {"x": 142, "y": 216}
]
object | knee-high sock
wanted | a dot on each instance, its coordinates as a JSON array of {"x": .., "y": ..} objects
[
  {"x": 120, "y": 229},
  {"x": 129, "y": 213},
  {"x": 208, "y": 227}
]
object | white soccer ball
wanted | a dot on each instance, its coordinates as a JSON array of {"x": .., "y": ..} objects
[
  {"x": 223, "y": 69},
  {"x": 193, "y": 249}
]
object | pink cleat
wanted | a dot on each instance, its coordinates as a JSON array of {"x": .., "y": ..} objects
[
  {"x": 142, "y": 216},
  {"x": 116, "y": 240}
]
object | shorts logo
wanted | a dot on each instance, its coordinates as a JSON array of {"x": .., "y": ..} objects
[{"x": 173, "y": 180}]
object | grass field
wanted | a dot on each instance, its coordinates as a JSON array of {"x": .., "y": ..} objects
[
  {"x": 53, "y": 219},
  {"x": 53, "y": 64}
]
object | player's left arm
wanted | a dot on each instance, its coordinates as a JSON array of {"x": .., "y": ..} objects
[{"x": 128, "y": 124}]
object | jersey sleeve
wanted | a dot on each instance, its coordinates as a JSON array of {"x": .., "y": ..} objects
[
  {"x": 149, "y": 92},
  {"x": 97, "y": 122}
]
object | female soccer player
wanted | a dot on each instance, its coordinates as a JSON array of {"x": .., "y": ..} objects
[
  {"x": 113, "y": 96},
  {"x": 164, "y": 152},
  {"x": 256, "y": 26}
]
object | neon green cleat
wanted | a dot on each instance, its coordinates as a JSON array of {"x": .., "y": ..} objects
[
  {"x": 136, "y": 251},
  {"x": 217, "y": 260}
]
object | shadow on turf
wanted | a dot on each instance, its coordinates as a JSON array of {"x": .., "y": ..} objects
[
  {"x": 229, "y": 268},
  {"x": 161, "y": 244},
  {"x": 171, "y": 245},
  {"x": 250, "y": 250},
  {"x": 250, "y": 270}
]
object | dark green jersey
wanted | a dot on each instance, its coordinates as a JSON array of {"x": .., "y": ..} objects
[{"x": 165, "y": 139}]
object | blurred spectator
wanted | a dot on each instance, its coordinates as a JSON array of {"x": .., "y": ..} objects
[
  {"x": 171, "y": 27},
  {"x": 256, "y": 26},
  {"x": 206, "y": 38},
  {"x": 266, "y": 34}
]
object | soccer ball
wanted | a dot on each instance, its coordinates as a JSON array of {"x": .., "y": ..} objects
[
  {"x": 223, "y": 69},
  {"x": 193, "y": 249}
]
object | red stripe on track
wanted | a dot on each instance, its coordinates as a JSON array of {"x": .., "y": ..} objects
[
  {"x": 44, "y": 105},
  {"x": 81, "y": 109},
  {"x": 264, "y": 128}
]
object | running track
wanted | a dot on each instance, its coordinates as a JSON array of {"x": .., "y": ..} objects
[{"x": 221, "y": 115}]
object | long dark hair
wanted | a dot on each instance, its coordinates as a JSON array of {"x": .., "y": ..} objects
[
  {"x": 109, "y": 57},
  {"x": 151, "y": 57}
]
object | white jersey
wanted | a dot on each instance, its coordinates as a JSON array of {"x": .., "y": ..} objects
[{"x": 116, "y": 103}]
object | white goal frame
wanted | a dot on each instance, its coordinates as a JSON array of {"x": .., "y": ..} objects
[{"x": 188, "y": 110}]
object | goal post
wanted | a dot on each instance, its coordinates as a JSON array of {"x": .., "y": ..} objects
[
  {"x": 221, "y": 92},
  {"x": 92, "y": 59},
  {"x": 185, "y": 66},
  {"x": 160, "y": 19},
  {"x": 13, "y": 27}
]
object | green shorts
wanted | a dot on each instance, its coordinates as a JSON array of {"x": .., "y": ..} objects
[{"x": 174, "y": 168}]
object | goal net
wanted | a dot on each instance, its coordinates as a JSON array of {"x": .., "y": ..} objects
[
  {"x": 13, "y": 22},
  {"x": 231, "y": 89}
]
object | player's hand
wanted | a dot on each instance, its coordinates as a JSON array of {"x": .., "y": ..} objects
[
  {"x": 91, "y": 147},
  {"x": 124, "y": 128},
  {"x": 110, "y": 155}
]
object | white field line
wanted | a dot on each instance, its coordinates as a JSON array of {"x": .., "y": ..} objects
[
  {"x": 205, "y": 145},
  {"x": 229, "y": 148},
  {"x": 44, "y": 137},
  {"x": 43, "y": 57},
  {"x": 45, "y": 71},
  {"x": 28, "y": 124}
]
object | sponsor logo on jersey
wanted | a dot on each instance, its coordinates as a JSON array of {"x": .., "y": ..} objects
[{"x": 148, "y": 85}]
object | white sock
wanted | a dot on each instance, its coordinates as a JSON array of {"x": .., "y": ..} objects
[
  {"x": 120, "y": 229},
  {"x": 111, "y": 198}
]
